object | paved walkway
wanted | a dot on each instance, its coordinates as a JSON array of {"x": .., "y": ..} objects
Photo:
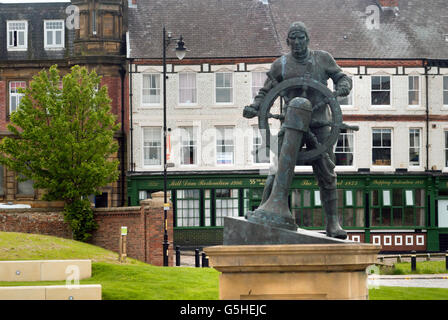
[{"x": 417, "y": 280}]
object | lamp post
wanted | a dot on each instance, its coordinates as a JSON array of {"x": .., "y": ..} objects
[{"x": 180, "y": 53}]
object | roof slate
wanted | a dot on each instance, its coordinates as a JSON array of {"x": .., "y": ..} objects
[
  {"x": 35, "y": 14},
  {"x": 248, "y": 28},
  {"x": 210, "y": 28}
]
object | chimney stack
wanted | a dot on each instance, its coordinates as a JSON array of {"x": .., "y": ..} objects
[{"x": 388, "y": 3}]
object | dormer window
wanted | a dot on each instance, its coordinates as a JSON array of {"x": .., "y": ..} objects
[
  {"x": 17, "y": 35},
  {"x": 54, "y": 34}
]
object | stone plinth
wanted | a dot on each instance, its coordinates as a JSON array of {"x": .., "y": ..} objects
[{"x": 293, "y": 272}]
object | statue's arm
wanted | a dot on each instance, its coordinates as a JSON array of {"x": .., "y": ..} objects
[
  {"x": 251, "y": 111},
  {"x": 343, "y": 84}
]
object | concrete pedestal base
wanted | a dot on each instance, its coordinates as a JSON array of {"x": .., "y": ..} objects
[{"x": 293, "y": 272}]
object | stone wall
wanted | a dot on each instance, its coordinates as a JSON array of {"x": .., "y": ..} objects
[{"x": 145, "y": 228}]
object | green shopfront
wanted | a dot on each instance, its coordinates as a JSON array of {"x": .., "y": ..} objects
[{"x": 400, "y": 211}]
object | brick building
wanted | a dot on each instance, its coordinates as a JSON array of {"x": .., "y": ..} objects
[
  {"x": 391, "y": 173},
  {"x": 36, "y": 36}
]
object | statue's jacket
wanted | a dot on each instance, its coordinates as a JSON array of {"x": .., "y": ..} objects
[{"x": 318, "y": 65}]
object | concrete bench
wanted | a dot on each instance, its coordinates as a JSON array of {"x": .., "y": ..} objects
[
  {"x": 45, "y": 270},
  {"x": 80, "y": 292}
]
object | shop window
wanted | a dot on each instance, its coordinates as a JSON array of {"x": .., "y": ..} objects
[
  {"x": 446, "y": 148},
  {"x": 188, "y": 208},
  {"x": 207, "y": 207},
  {"x": 397, "y": 207},
  {"x": 226, "y": 204},
  {"x": 307, "y": 209},
  {"x": 351, "y": 207}
]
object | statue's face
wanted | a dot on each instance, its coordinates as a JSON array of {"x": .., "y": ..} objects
[{"x": 298, "y": 42}]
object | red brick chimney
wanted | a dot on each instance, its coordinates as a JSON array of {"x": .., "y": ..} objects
[{"x": 388, "y": 3}]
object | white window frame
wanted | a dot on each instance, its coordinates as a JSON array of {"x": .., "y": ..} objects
[
  {"x": 194, "y": 145},
  {"x": 419, "y": 91},
  {"x": 159, "y": 89},
  {"x": 232, "y": 95},
  {"x": 233, "y": 145},
  {"x": 195, "y": 102},
  {"x": 18, "y": 96},
  {"x": 255, "y": 89},
  {"x": 256, "y": 134},
  {"x": 143, "y": 147},
  {"x": 389, "y": 90},
  {"x": 23, "y": 47},
  {"x": 445, "y": 105},
  {"x": 54, "y": 45},
  {"x": 352, "y": 133},
  {"x": 419, "y": 147},
  {"x": 351, "y": 95},
  {"x": 445, "y": 148},
  {"x": 391, "y": 148}
]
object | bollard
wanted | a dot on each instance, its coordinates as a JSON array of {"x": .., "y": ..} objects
[
  {"x": 413, "y": 261},
  {"x": 196, "y": 258},
  {"x": 428, "y": 257},
  {"x": 399, "y": 258},
  {"x": 177, "y": 256},
  {"x": 446, "y": 260},
  {"x": 204, "y": 260}
]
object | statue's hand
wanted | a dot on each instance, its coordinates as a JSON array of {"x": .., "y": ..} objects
[
  {"x": 250, "y": 112},
  {"x": 342, "y": 91}
]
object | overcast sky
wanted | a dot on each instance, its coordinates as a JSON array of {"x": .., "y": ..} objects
[{"x": 31, "y": 1}]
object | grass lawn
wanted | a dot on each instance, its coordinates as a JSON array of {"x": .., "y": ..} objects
[
  {"x": 136, "y": 280},
  {"x": 146, "y": 282},
  {"x": 423, "y": 267},
  {"x": 133, "y": 280},
  {"x": 407, "y": 293}
]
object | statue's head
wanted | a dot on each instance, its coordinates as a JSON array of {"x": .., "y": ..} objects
[{"x": 298, "y": 39}]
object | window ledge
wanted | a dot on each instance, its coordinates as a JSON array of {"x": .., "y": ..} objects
[
  {"x": 188, "y": 106},
  {"x": 225, "y": 105},
  {"x": 17, "y": 49},
  {"x": 54, "y": 48},
  {"x": 381, "y": 168}
]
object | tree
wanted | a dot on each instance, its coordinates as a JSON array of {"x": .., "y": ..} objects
[{"x": 63, "y": 141}]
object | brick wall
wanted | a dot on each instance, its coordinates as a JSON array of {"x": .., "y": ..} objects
[
  {"x": 39, "y": 221},
  {"x": 145, "y": 228}
]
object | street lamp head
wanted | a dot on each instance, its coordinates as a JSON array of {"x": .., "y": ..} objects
[{"x": 180, "y": 49}]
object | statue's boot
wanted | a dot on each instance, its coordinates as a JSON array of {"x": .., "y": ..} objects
[
  {"x": 275, "y": 210},
  {"x": 333, "y": 228}
]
